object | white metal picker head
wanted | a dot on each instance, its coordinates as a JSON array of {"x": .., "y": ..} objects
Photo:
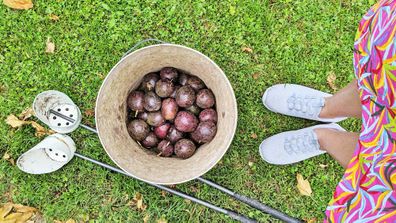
[
  {"x": 59, "y": 112},
  {"x": 49, "y": 155}
]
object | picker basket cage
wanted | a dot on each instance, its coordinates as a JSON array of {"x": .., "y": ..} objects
[{"x": 111, "y": 114}]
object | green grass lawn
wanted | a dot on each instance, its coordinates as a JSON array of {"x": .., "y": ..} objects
[{"x": 300, "y": 41}]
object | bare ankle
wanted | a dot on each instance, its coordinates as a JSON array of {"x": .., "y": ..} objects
[{"x": 326, "y": 109}]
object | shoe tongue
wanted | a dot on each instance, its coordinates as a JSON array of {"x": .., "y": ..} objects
[{"x": 302, "y": 142}]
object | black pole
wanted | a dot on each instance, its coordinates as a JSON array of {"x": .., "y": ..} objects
[
  {"x": 252, "y": 202},
  {"x": 230, "y": 213}
]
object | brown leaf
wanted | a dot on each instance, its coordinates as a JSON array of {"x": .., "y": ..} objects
[
  {"x": 253, "y": 135},
  {"x": 18, "y": 4},
  {"x": 14, "y": 122},
  {"x": 16, "y": 213},
  {"x": 247, "y": 50},
  {"x": 40, "y": 130},
  {"x": 26, "y": 114},
  {"x": 163, "y": 193},
  {"x": 303, "y": 186},
  {"x": 146, "y": 218},
  {"x": 90, "y": 112},
  {"x": 331, "y": 77},
  {"x": 54, "y": 17},
  {"x": 138, "y": 201},
  {"x": 194, "y": 189},
  {"x": 50, "y": 46},
  {"x": 7, "y": 157},
  {"x": 256, "y": 76}
]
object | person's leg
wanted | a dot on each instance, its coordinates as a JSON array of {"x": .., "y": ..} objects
[
  {"x": 344, "y": 103},
  {"x": 339, "y": 144}
]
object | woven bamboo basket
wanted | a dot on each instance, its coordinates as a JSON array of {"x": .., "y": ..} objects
[{"x": 111, "y": 114}]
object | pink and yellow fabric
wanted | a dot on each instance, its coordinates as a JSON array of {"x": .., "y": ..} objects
[{"x": 367, "y": 191}]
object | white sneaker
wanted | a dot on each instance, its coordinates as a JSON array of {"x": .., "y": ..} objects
[
  {"x": 298, "y": 101},
  {"x": 293, "y": 146}
]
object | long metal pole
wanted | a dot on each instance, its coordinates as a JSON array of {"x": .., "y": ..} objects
[
  {"x": 252, "y": 202},
  {"x": 230, "y": 213},
  {"x": 249, "y": 201}
]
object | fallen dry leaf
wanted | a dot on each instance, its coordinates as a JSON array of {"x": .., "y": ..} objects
[
  {"x": 50, "y": 46},
  {"x": 26, "y": 114},
  {"x": 256, "y": 76},
  {"x": 163, "y": 193},
  {"x": 18, "y": 4},
  {"x": 146, "y": 218},
  {"x": 70, "y": 221},
  {"x": 14, "y": 122},
  {"x": 194, "y": 189},
  {"x": 162, "y": 220},
  {"x": 331, "y": 77},
  {"x": 138, "y": 201},
  {"x": 54, "y": 17},
  {"x": 7, "y": 157},
  {"x": 303, "y": 186},
  {"x": 311, "y": 220},
  {"x": 16, "y": 213},
  {"x": 247, "y": 50},
  {"x": 253, "y": 135},
  {"x": 250, "y": 163},
  {"x": 90, "y": 112},
  {"x": 40, "y": 130},
  {"x": 323, "y": 165}
]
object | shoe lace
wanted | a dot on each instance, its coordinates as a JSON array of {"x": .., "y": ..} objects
[
  {"x": 303, "y": 143},
  {"x": 305, "y": 104}
]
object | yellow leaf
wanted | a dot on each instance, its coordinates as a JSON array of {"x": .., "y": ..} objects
[
  {"x": 256, "y": 76},
  {"x": 162, "y": 220},
  {"x": 253, "y": 135},
  {"x": 303, "y": 186},
  {"x": 25, "y": 114},
  {"x": 138, "y": 200},
  {"x": 14, "y": 122},
  {"x": 50, "y": 46},
  {"x": 5, "y": 210},
  {"x": 54, "y": 17},
  {"x": 312, "y": 220},
  {"x": 331, "y": 77},
  {"x": 24, "y": 209},
  {"x": 19, "y": 4},
  {"x": 24, "y": 217},
  {"x": 323, "y": 166},
  {"x": 7, "y": 157},
  {"x": 247, "y": 50},
  {"x": 70, "y": 221},
  {"x": 14, "y": 216}
]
